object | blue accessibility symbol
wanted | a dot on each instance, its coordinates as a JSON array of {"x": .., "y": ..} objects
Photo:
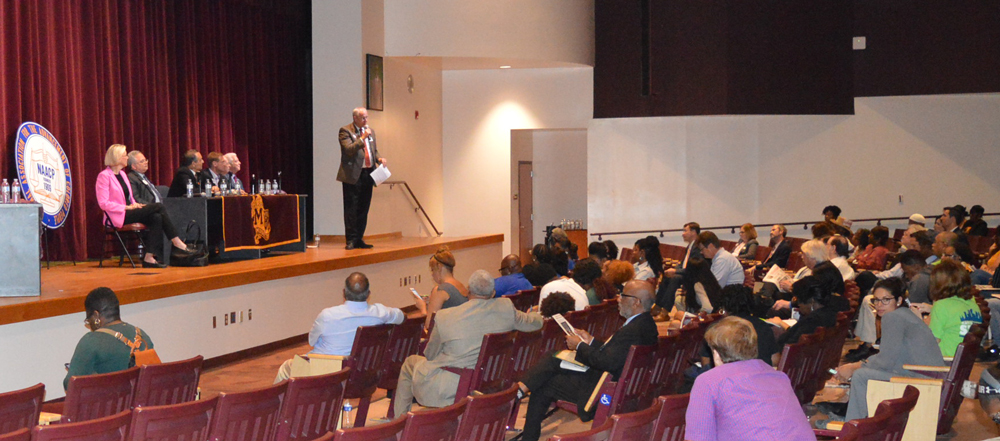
[{"x": 605, "y": 399}]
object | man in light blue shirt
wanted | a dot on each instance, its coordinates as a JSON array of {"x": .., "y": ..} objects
[
  {"x": 726, "y": 268},
  {"x": 333, "y": 331},
  {"x": 511, "y": 278}
]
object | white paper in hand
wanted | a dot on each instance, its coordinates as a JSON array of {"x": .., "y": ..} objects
[
  {"x": 380, "y": 174},
  {"x": 775, "y": 275}
]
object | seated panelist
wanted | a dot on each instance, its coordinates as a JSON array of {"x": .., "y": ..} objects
[
  {"x": 145, "y": 191},
  {"x": 216, "y": 173},
  {"x": 191, "y": 165},
  {"x": 114, "y": 195}
]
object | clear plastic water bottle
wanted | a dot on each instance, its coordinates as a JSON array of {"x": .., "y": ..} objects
[
  {"x": 5, "y": 189},
  {"x": 267, "y": 187},
  {"x": 346, "y": 420},
  {"x": 223, "y": 187},
  {"x": 274, "y": 186},
  {"x": 15, "y": 191},
  {"x": 190, "y": 189},
  {"x": 239, "y": 187}
]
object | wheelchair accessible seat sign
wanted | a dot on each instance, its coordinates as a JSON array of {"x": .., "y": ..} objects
[{"x": 44, "y": 173}]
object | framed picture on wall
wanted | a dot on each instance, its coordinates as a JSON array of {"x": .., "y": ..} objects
[{"x": 375, "y": 78}]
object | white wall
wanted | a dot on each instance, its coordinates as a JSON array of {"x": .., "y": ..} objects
[
  {"x": 181, "y": 327},
  {"x": 554, "y": 30},
  {"x": 560, "y": 183},
  {"x": 662, "y": 172},
  {"x": 338, "y": 87},
  {"x": 480, "y": 108}
]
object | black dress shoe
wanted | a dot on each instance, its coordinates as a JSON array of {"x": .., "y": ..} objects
[
  {"x": 350, "y": 246},
  {"x": 146, "y": 264},
  {"x": 362, "y": 244}
]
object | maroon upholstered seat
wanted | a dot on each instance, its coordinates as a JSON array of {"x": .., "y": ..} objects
[
  {"x": 125, "y": 235},
  {"x": 404, "y": 340},
  {"x": 168, "y": 383},
  {"x": 627, "y": 394},
  {"x": 634, "y": 425},
  {"x": 365, "y": 360},
  {"x": 390, "y": 431},
  {"x": 887, "y": 424},
  {"x": 434, "y": 425},
  {"x": 19, "y": 409},
  {"x": 311, "y": 406},
  {"x": 601, "y": 433},
  {"x": 90, "y": 397},
  {"x": 175, "y": 422},
  {"x": 248, "y": 416},
  {"x": 666, "y": 366},
  {"x": 108, "y": 428},
  {"x": 486, "y": 416},
  {"x": 492, "y": 371},
  {"x": 670, "y": 423}
]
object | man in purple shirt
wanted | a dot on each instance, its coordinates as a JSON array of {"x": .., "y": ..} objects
[{"x": 742, "y": 397}]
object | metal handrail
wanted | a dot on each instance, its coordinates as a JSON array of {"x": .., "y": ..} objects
[
  {"x": 419, "y": 207},
  {"x": 732, "y": 228}
]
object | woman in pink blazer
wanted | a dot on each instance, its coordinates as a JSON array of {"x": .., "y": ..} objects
[{"x": 114, "y": 195}]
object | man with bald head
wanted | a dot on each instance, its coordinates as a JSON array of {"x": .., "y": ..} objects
[
  {"x": 511, "y": 278},
  {"x": 548, "y": 382},
  {"x": 333, "y": 331}
]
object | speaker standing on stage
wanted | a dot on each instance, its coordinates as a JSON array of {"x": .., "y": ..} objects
[
  {"x": 114, "y": 195},
  {"x": 358, "y": 158}
]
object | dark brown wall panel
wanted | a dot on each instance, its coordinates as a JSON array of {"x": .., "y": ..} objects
[
  {"x": 717, "y": 57},
  {"x": 920, "y": 47}
]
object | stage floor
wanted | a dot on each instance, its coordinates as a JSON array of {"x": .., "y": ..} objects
[{"x": 65, "y": 286}]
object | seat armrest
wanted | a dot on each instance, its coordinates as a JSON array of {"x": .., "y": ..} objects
[
  {"x": 603, "y": 412},
  {"x": 949, "y": 359},
  {"x": 464, "y": 381},
  {"x": 930, "y": 371},
  {"x": 324, "y": 357},
  {"x": 918, "y": 381}
]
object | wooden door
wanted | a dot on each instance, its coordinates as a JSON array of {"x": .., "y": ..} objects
[{"x": 525, "y": 216}]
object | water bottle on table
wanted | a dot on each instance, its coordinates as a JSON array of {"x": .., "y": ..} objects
[
  {"x": 223, "y": 187},
  {"x": 5, "y": 190},
  {"x": 190, "y": 189},
  {"x": 15, "y": 191}
]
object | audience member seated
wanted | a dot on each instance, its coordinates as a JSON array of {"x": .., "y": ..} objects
[
  {"x": 191, "y": 164},
  {"x": 234, "y": 168},
  {"x": 511, "y": 278},
  {"x": 557, "y": 303},
  {"x": 777, "y": 296},
  {"x": 561, "y": 239},
  {"x": 746, "y": 248},
  {"x": 726, "y": 267},
  {"x": 952, "y": 219},
  {"x": 114, "y": 196},
  {"x": 570, "y": 286},
  {"x": 548, "y": 382},
  {"x": 702, "y": 292},
  {"x": 455, "y": 342},
  {"x": 975, "y": 225},
  {"x": 599, "y": 252},
  {"x": 742, "y": 398},
  {"x": 109, "y": 346},
  {"x": 954, "y": 310},
  {"x": 648, "y": 261},
  {"x": 672, "y": 278},
  {"x": 916, "y": 275},
  {"x": 738, "y": 301},
  {"x": 612, "y": 249},
  {"x": 839, "y": 249},
  {"x": 538, "y": 274},
  {"x": 215, "y": 174},
  {"x": 984, "y": 274},
  {"x": 618, "y": 272},
  {"x": 780, "y": 249},
  {"x": 830, "y": 278},
  {"x": 449, "y": 292},
  {"x": 905, "y": 340},
  {"x": 831, "y": 214},
  {"x": 875, "y": 253},
  {"x": 333, "y": 331},
  {"x": 860, "y": 240},
  {"x": 145, "y": 191},
  {"x": 811, "y": 296},
  {"x": 587, "y": 274},
  {"x": 989, "y": 393}
]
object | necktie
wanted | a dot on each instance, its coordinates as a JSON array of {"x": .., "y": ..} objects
[{"x": 368, "y": 160}]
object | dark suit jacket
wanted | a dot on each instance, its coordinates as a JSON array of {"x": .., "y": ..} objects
[
  {"x": 178, "y": 187},
  {"x": 141, "y": 192},
  {"x": 352, "y": 155},
  {"x": 780, "y": 255},
  {"x": 206, "y": 180},
  {"x": 610, "y": 356}
]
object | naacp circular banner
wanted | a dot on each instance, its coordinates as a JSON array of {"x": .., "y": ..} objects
[{"x": 43, "y": 170}]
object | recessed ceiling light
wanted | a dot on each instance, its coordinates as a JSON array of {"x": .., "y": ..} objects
[{"x": 505, "y": 67}]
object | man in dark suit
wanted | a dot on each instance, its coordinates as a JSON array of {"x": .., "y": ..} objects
[
  {"x": 780, "y": 248},
  {"x": 673, "y": 277},
  {"x": 215, "y": 173},
  {"x": 548, "y": 382},
  {"x": 191, "y": 165},
  {"x": 143, "y": 191},
  {"x": 358, "y": 158}
]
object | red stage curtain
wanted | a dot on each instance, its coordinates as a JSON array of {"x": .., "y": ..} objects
[{"x": 160, "y": 76}]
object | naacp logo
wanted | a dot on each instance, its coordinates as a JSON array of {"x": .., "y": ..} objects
[
  {"x": 44, "y": 172},
  {"x": 261, "y": 220}
]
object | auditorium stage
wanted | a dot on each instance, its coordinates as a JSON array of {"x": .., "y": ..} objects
[{"x": 185, "y": 310}]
